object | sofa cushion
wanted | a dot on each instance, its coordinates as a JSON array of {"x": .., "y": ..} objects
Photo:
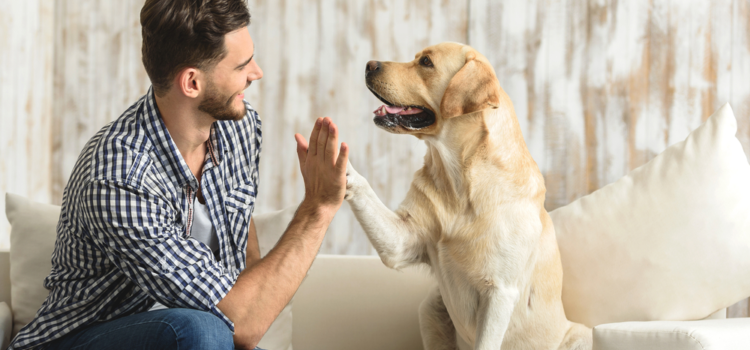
[
  {"x": 729, "y": 334},
  {"x": 669, "y": 241},
  {"x": 32, "y": 240}
]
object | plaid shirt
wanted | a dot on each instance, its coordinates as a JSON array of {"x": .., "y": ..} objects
[{"x": 123, "y": 238}]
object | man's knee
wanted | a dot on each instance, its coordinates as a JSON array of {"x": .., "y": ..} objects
[{"x": 199, "y": 330}]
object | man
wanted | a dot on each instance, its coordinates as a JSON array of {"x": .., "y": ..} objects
[{"x": 156, "y": 246}]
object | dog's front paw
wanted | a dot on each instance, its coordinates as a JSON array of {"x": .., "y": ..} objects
[{"x": 354, "y": 182}]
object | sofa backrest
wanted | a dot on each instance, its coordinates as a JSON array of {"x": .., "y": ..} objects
[{"x": 356, "y": 302}]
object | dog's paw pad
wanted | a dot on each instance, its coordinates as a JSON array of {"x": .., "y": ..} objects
[{"x": 349, "y": 188}]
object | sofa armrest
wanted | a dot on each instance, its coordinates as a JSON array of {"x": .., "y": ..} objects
[
  {"x": 6, "y": 325},
  {"x": 717, "y": 334}
]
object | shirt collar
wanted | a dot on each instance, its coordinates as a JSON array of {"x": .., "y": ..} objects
[
  {"x": 175, "y": 165},
  {"x": 217, "y": 141}
]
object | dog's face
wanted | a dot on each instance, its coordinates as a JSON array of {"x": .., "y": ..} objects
[{"x": 442, "y": 82}]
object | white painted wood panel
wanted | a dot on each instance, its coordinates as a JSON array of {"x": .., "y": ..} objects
[
  {"x": 25, "y": 102},
  {"x": 740, "y": 93},
  {"x": 97, "y": 74},
  {"x": 313, "y": 54}
]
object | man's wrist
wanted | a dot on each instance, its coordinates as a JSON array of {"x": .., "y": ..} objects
[{"x": 316, "y": 210}]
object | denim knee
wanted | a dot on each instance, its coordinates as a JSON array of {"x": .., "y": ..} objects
[{"x": 200, "y": 330}]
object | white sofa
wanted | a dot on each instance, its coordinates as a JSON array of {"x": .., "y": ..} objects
[{"x": 355, "y": 302}]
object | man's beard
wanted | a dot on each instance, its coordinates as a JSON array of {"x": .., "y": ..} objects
[{"x": 218, "y": 106}]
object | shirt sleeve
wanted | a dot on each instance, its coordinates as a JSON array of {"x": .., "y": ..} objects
[{"x": 138, "y": 232}]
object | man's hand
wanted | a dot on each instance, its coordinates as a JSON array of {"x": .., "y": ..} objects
[
  {"x": 266, "y": 286},
  {"x": 323, "y": 166}
]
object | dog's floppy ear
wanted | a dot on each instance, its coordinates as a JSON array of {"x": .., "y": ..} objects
[{"x": 473, "y": 88}]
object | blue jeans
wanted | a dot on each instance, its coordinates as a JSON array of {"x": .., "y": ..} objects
[{"x": 181, "y": 329}]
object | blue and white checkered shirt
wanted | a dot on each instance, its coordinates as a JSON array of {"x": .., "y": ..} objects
[{"x": 123, "y": 238}]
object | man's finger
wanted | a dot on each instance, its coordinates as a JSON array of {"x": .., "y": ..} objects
[
  {"x": 331, "y": 144},
  {"x": 301, "y": 150},
  {"x": 313, "y": 149},
  {"x": 343, "y": 158},
  {"x": 322, "y": 138}
]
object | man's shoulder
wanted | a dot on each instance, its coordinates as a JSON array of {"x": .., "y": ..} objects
[{"x": 118, "y": 146}]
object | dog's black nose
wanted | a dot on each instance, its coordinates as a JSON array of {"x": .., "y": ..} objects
[{"x": 372, "y": 66}]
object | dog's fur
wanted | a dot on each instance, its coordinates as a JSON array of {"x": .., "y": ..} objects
[{"x": 475, "y": 211}]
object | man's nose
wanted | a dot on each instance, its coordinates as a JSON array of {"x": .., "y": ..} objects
[
  {"x": 372, "y": 66},
  {"x": 256, "y": 73}
]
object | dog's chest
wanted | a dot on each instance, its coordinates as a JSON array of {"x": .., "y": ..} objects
[
  {"x": 458, "y": 293},
  {"x": 478, "y": 250}
]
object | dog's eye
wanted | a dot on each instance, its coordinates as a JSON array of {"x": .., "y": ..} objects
[{"x": 425, "y": 61}]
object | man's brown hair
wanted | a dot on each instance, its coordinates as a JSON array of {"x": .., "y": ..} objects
[{"x": 186, "y": 33}]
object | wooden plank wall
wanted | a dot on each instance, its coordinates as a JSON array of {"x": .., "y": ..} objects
[
  {"x": 98, "y": 74},
  {"x": 599, "y": 86},
  {"x": 313, "y": 54},
  {"x": 26, "y": 69}
]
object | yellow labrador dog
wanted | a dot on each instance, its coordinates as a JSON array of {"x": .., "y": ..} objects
[{"x": 475, "y": 211}]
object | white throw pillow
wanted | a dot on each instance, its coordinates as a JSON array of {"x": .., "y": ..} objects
[
  {"x": 33, "y": 233},
  {"x": 669, "y": 241},
  {"x": 32, "y": 240}
]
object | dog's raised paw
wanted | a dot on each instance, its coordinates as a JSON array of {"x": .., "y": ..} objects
[
  {"x": 349, "y": 187},
  {"x": 353, "y": 180}
]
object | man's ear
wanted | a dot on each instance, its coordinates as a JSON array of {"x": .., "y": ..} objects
[
  {"x": 473, "y": 88},
  {"x": 189, "y": 81}
]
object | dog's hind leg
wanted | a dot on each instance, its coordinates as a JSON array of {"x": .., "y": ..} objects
[{"x": 438, "y": 332}]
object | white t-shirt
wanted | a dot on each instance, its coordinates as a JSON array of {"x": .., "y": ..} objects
[{"x": 203, "y": 231}]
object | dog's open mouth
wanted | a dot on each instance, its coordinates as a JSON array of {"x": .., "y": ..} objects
[
  {"x": 389, "y": 116},
  {"x": 409, "y": 117}
]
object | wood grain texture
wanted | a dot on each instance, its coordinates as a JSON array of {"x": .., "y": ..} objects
[
  {"x": 97, "y": 74},
  {"x": 313, "y": 54},
  {"x": 739, "y": 90},
  {"x": 26, "y": 57},
  {"x": 599, "y": 86}
]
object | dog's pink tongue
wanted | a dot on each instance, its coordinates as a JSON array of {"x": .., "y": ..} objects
[
  {"x": 394, "y": 109},
  {"x": 384, "y": 109}
]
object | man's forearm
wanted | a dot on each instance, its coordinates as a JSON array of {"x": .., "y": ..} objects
[
  {"x": 263, "y": 289},
  {"x": 253, "y": 247}
]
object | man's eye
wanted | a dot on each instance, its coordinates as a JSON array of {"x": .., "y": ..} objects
[{"x": 425, "y": 61}]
